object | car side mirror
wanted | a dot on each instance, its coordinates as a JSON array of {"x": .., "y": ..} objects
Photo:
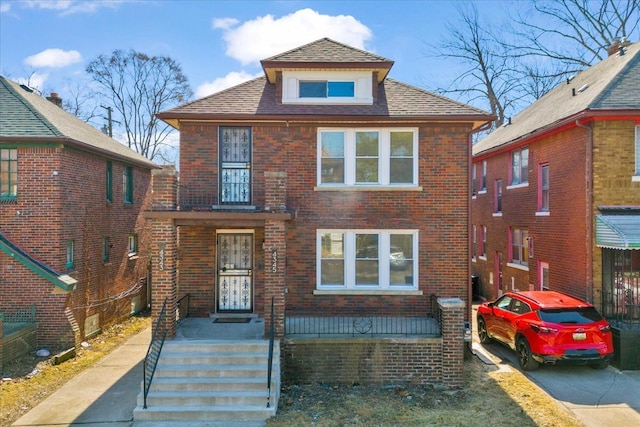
[{"x": 491, "y": 304}]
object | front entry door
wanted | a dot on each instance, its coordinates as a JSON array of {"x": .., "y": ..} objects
[{"x": 235, "y": 272}]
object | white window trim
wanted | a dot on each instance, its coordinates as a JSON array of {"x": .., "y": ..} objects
[
  {"x": 362, "y": 86},
  {"x": 349, "y": 264},
  {"x": 543, "y": 213},
  {"x": 523, "y": 185},
  {"x": 384, "y": 160},
  {"x": 518, "y": 266},
  {"x": 636, "y": 177}
]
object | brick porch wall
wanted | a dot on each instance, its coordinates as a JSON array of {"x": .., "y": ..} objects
[{"x": 381, "y": 360}]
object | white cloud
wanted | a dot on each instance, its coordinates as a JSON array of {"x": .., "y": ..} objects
[
  {"x": 68, "y": 7},
  {"x": 232, "y": 79},
  {"x": 54, "y": 58},
  {"x": 266, "y": 35},
  {"x": 5, "y": 7}
]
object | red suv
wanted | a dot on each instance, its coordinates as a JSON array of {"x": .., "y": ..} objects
[{"x": 547, "y": 327}]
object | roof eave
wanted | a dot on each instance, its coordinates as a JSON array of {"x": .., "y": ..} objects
[
  {"x": 174, "y": 119},
  {"x": 75, "y": 143},
  {"x": 583, "y": 117},
  {"x": 271, "y": 67}
]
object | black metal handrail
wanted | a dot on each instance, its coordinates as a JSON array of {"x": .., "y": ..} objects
[
  {"x": 182, "y": 310},
  {"x": 153, "y": 352},
  {"x": 270, "y": 363},
  {"x": 357, "y": 326}
]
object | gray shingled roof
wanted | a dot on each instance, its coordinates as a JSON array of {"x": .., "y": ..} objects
[
  {"x": 28, "y": 117},
  {"x": 611, "y": 84}
]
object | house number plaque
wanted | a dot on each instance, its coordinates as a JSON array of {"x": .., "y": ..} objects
[
  {"x": 274, "y": 261},
  {"x": 161, "y": 258}
]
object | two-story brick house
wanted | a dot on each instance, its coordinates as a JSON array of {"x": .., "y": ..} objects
[
  {"x": 324, "y": 184},
  {"x": 72, "y": 240},
  {"x": 556, "y": 192}
]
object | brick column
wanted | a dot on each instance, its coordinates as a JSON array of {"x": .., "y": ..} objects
[
  {"x": 164, "y": 248},
  {"x": 164, "y": 189},
  {"x": 452, "y": 325},
  {"x": 275, "y": 251}
]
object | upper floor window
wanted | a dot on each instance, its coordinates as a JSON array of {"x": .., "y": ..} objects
[
  {"x": 519, "y": 248},
  {"x": 109, "y": 181},
  {"x": 326, "y": 89},
  {"x": 497, "y": 196},
  {"x": 483, "y": 181},
  {"x": 127, "y": 184},
  {"x": 366, "y": 259},
  {"x": 105, "y": 249},
  {"x": 520, "y": 166},
  {"x": 543, "y": 189},
  {"x": 383, "y": 157},
  {"x": 474, "y": 184},
  {"x": 474, "y": 242},
  {"x": 8, "y": 173}
]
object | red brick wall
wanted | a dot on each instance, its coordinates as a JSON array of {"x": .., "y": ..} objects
[
  {"x": 71, "y": 204},
  {"x": 559, "y": 239},
  {"x": 439, "y": 212}
]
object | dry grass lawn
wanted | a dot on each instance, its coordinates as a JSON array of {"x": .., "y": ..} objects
[{"x": 492, "y": 397}]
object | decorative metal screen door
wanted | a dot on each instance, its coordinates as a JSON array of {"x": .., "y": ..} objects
[
  {"x": 235, "y": 263},
  {"x": 235, "y": 165}
]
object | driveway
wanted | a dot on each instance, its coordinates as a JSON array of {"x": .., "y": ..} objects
[{"x": 605, "y": 398}]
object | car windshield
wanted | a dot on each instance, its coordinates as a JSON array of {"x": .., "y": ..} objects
[{"x": 578, "y": 316}]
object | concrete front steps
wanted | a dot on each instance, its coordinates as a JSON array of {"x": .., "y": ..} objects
[{"x": 212, "y": 381}]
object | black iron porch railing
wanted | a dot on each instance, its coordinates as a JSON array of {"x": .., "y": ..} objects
[
  {"x": 622, "y": 306},
  {"x": 360, "y": 326},
  {"x": 153, "y": 352},
  {"x": 190, "y": 198},
  {"x": 182, "y": 308},
  {"x": 270, "y": 363}
]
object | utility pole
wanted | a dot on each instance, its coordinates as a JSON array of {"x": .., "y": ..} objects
[{"x": 109, "y": 128}]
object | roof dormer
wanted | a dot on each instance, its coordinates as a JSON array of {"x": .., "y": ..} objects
[{"x": 327, "y": 72}]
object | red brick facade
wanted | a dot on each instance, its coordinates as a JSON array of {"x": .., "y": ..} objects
[{"x": 62, "y": 197}]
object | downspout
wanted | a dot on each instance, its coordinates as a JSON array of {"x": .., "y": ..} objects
[{"x": 589, "y": 208}]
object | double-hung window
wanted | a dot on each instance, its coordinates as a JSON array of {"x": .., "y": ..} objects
[
  {"x": 366, "y": 259},
  {"x": 483, "y": 241},
  {"x": 497, "y": 197},
  {"x": 543, "y": 189},
  {"x": 8, "y": 174},
  {"x": 483, "y": 181},
  {"x": 371, "y": 157},
  {"x": 132, "y": 244},
  {"x": 520, "y": 166},
  {"x": 127, "y": 184},
  {"x": 519, "y": 248}
]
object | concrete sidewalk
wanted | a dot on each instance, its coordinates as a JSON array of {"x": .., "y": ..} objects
[{"x": 103, "y": 395}]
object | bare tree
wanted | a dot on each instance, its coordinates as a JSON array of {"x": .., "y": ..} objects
[
  {"x": 81, "y": 102},
  {"x": 138, "y": 87},
  {"x": 490, "y": 79},
  {"x": 573, "y": 34}
]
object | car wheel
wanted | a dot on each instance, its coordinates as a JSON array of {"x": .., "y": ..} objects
[
  {"x": 483, "y": 335},
  {"x": 599, "y": 365},
  {"x": 525, "y": 358}
]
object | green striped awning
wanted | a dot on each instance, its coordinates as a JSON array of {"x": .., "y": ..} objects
[{"x": 618, "y": 231}]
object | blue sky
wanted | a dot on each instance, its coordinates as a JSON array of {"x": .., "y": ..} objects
[{"x": 218, "y": 43}]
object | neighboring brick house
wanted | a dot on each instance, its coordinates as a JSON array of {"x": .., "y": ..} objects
[
  {"x": 72, "y": 240},
  {"x": 556, "y": 199},
  {"x": 324, "y": 184}
]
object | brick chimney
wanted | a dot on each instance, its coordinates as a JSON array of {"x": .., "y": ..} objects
[
  {"x": 618, "y": 45},
  {"x": 55, "y": 99}
]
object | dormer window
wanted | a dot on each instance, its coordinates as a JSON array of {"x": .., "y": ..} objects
[{"x": 327, "y": 87}]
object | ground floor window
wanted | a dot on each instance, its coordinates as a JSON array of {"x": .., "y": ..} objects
[
  {"x": 367, "y": 259},
  {"x": 621, "y": 284}
]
